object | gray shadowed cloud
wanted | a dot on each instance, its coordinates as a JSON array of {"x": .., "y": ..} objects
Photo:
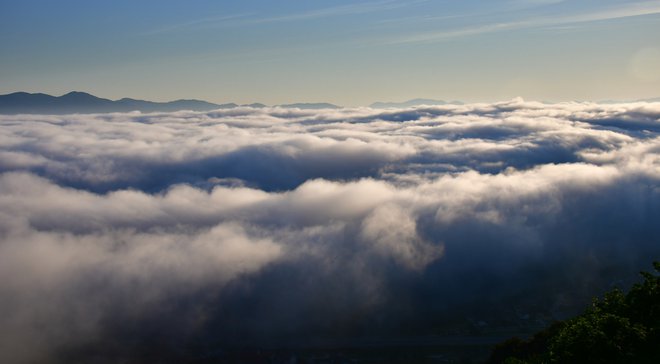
[{"x": 123, "y": 234}]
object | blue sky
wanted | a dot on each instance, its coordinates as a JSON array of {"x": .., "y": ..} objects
[{"x": 350, "y": 53}]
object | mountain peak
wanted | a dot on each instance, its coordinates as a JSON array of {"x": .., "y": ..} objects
[{"x": 78, "y": 94}]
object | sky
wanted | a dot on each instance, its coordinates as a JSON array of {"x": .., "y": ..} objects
[
  {"x": 126, "y": 236},
  {"x": 346, "y": 52}
]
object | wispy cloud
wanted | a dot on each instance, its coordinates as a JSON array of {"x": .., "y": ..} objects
[
  {"x": 534, "y": 3},
  {"x": 618, "y": 12},
  {"x": 198, "y": 23},
  {"x": 352, "y": 9},
  {"x": 252, "y": 19}
]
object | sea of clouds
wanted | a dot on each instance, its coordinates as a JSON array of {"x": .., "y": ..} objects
[{"x": 125, "y": 234}]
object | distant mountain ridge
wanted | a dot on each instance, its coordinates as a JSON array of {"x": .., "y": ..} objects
[
  {"x": 77, "y": 102},
  {"x": 82, "y": 102},
  {"x": 310, "y": 106}
]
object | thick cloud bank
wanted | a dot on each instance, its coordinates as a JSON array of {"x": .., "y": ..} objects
[{"x": 139, "y": 235}]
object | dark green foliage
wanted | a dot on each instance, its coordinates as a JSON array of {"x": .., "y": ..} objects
[
  {"x": 598, "y": 337},
  {"x": 619, "y": 328},
  {"x": 516, "y": 350}
]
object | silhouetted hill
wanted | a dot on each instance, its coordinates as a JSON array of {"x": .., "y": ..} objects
[
  {"x": 81, "y": 102},
  {"x": 150, "y": 106},
  {"x": 410, "y": 103},
  {"x": 256, "y": 105}
]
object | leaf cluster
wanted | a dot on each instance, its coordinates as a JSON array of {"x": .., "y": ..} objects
[{"x": 619, "y": 328}]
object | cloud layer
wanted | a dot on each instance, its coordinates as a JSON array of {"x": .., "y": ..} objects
[{"x": 121, "y": 233}]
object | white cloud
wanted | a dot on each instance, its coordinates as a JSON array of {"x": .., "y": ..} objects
[{"x": 110, "y": 222}]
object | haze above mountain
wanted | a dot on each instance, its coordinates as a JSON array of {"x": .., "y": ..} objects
[{"x": 411, "y": 103}]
